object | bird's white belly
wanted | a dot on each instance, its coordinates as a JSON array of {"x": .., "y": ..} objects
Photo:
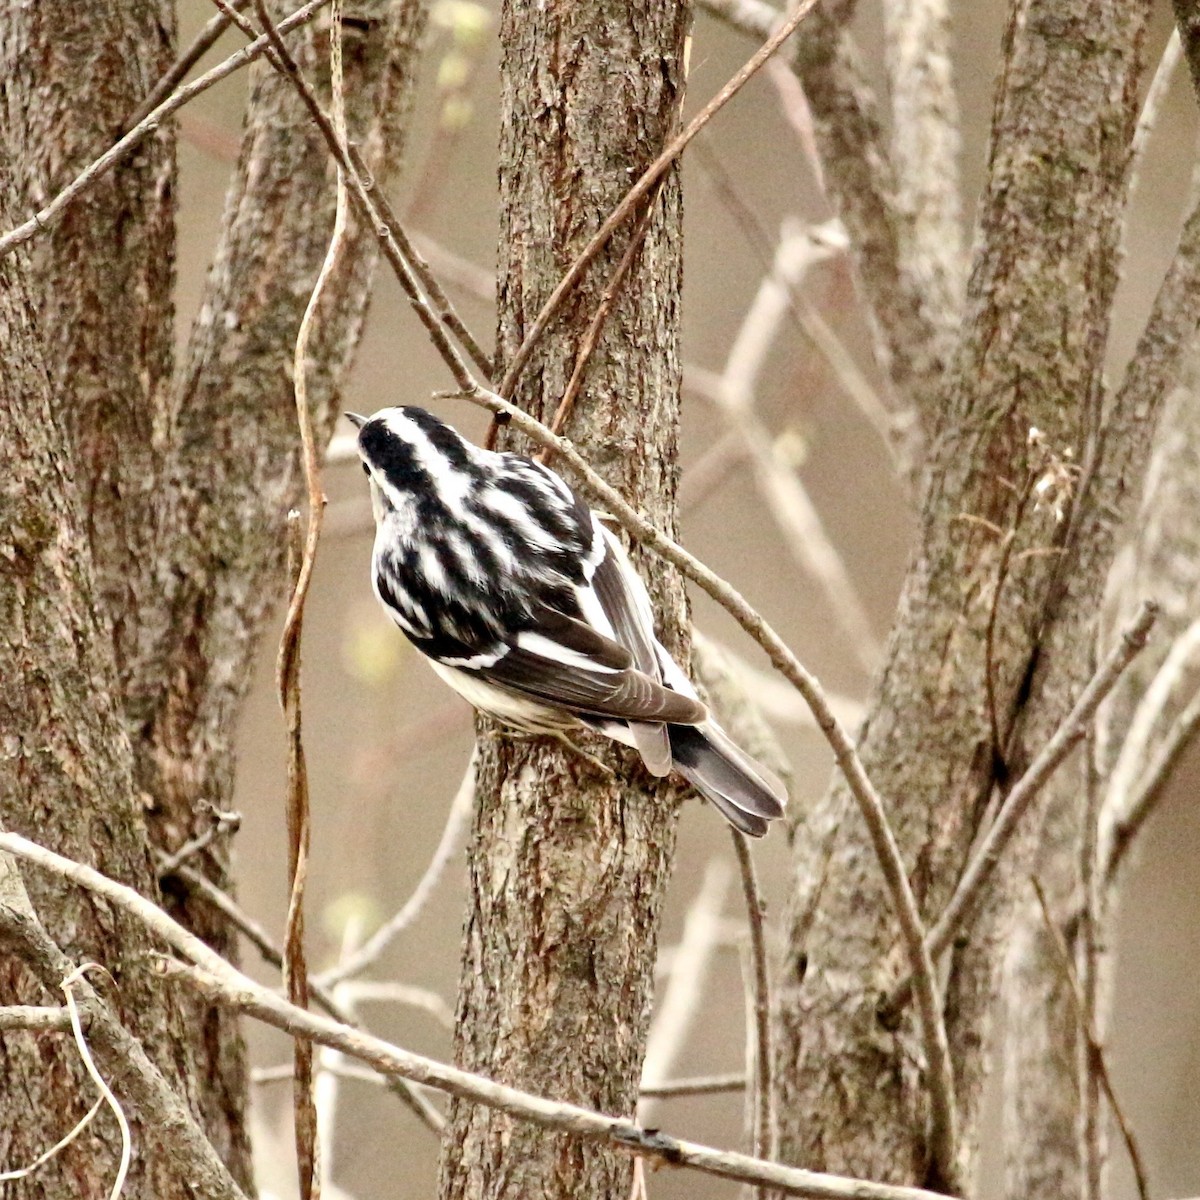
[{"x": 504, "y": 706}]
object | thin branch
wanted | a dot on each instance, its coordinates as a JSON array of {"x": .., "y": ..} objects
[
  {"x": 393, "y": 241},
  {"x": 73, "y": 980},
  {"x": 372, "y": 949},
  {"x": 295, "y": 966},
  {"x": 633, "y": 197},
  {"x": 700, "y": 1085},
  {"x": 1187, "y": 20},
  {"x": 1065, "y": 738},
  {"x": 1155, "y": 95},
  {"x": 765, "y": 1131},
  {"x": 223, "y": 823},
  {"x": 1094, "y": 1048},
  {"x": 599, "y": 318},
  {"x": 1150, "y": 788},
  {"x": 883, "y": 840},
  {"x": 37, "y": 1018},
  {"x": 62, "y": 1143},
  {"x": 273, "y": 955},
  {"x": 1147, "y": 718},
  {"x": 180, "y": 1138},
  {"x": 1092, "y": 1134},
  {"x": 458, "y": 271},
  {"x": 754, "y": 18},
  {"x": 224, "y": 984},
  {"x": 47, "y": 215},
  {"x": 734, "y": 394},
  {"x": 925, "y": 144},
  {"x": 174, "y": 75},
  {"x": 805, "y": 314},
  {"x": 989, "y": 654}
]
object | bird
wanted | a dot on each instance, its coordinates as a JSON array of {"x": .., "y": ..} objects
[{"x": 526, "y": 604}]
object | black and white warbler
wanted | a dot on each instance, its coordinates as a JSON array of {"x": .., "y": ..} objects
[{"x": 527, "y": 605}]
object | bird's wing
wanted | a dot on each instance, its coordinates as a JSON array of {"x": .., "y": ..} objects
[
  {"x": 623, "y": 599},
  {"x": 536, "y": 665}
]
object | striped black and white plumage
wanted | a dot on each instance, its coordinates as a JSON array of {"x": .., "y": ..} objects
[{"x": 527, "y": 605}]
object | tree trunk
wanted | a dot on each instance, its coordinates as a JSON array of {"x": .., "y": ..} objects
[
  {"x": 567, "y": 867},
  {"x": 170, "y": 558},
  {"x": 937, "y": 740}
]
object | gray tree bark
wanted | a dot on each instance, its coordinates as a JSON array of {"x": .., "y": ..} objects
[
  {"x": 151, "y": 511},
  {"x": 853, "y": 1093},
  {"x": 567, "y": 868}
]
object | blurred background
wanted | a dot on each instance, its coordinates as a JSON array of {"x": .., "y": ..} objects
[{"x": 387, "y": 743}]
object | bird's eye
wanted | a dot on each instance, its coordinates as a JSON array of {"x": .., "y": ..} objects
[{"x": 366, "y": 470}]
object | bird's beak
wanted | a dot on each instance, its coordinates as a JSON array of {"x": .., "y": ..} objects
[{"x": 355, "y": 420}]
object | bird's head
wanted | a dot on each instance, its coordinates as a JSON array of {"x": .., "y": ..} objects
[{"x": 406, "y": 451}]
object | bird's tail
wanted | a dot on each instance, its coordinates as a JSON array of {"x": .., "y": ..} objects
[{"x": 746, "y": 794}]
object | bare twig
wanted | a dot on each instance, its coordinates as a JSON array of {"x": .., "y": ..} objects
[
  {"x": 925, "y": 143},
  {"x": 685, "y": 992},
  {"x": 370, "y": 951},
  {"x": 222, "y": 823},
  {"x": 599, "y": 317},
  {"x": 101, "y": 1083},
  {"x": 433, "y": 307},
  {"x": 50, "y": 213},
  {"x": 188, "y": 58},
  {"x": 1090, "y": 927},
  {"x": 273, "y": 954},
  {"x": 788, "y": 500},
  {"x": 633, "y": 197},
  {"x": 37, "y": 1018},
  {"x": 755, "y": 18},
  {"x": 224, "y": 984},
  {"x": 62, "y": 1143},
  {"x": 295, "y": 967},
  {"x": 1065, "y": 738},
  {"x": 180, "y": 1138},
  {"x": 1149, "y": 790},
  {"x": 1155, "y": 94},
  {"x": 1094, "y": 1047},
  {"x": 457, "y": 271},
  {"x": 765, "y": 1134},
  {"x": 1008, "y": 540},
  {"x": 701, "y": 1085},
  {"x": 805, "y": 314}
]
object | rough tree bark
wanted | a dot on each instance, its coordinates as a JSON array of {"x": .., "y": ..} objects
[
  {"x": 1030, "y": 356},
  {"x": 567, "y": 868},
  {"x": 175, "y": 544}
]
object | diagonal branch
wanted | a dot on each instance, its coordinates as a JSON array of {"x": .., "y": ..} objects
[
  {"x": 124, "y": 1059},
  {"x": 224, "y": 984},
  {"x": 149, "y": 124},
  {"x": 1068, "y": 735}
]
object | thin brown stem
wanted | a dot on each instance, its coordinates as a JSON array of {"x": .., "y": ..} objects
[
  {"x": 434, "y": 309},
  {"x": 701, "y": 1085},
  {"x": 596, "y": 326},
  {"x": 272, "y": 954},
  {"x": 764, "y": 1086},
  {"x": 1094, "y": 1048},
  {"x": 201, "y": 44},
  {"x": 1150, "y": 789}
]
